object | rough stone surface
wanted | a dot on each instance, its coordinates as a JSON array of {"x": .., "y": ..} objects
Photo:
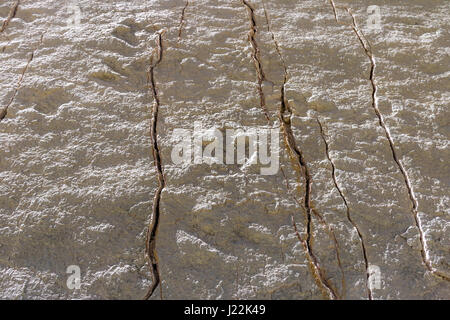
[{"x": 77, "y": 172}]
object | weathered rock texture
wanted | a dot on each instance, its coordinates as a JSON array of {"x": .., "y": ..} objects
[{"x": 88, "y": 113}]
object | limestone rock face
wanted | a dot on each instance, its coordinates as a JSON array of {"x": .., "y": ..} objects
[{"x": 94, "y": 95}]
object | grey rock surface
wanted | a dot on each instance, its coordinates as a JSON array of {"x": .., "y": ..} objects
[{"x": 358, "y": 208}]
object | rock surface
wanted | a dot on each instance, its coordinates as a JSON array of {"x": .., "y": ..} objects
[{"x": 78, "y": 179}]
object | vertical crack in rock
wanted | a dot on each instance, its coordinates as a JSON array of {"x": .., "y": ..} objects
[
  {"x": 349, "y": 217},
  {"x": 153, "y": 226},
  {"x": 11, "y": 15},
  {"x": 333, "y": 238},
  {"x": 4, "y": 111},
  {"x": 328, "y": 228},
  {"x": 277, "y": 47},
  {"x": 414, "y": 203},
  {"x": 334, "y": 10},
  {"x": 256, "y": 56},
  {"x": 297, "y": 158},
  {"x": 181, "y": 24},
  {"x": 299, "y": 161},
  {"x": 313, "y": 260}
]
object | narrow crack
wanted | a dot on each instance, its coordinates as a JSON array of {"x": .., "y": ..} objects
[
  {"x": 318, "y": 274},
  {"x": 269, "y": 29},
  {"x": 329, "y": 230},
  {"x": 334, "y": 10},
  {"x": 4, "y": 111},
  {"x": 414, "y": 203},
  {"x": 285, "y": 114},
  {"x": 11, "y": 15},
  {"x": 333, "y": 238},
  {"x": 349, "y": 217},
  {"x": 256, "y": 56},
  {"x": 154, "y": 223},
  {"x": 298, "y": 159},
  {"x": 181, "y": 24}
]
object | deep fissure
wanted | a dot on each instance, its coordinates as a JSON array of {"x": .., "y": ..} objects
[
  {"x": 256, "y": 56},
  {"x": 152, "y": 229}
]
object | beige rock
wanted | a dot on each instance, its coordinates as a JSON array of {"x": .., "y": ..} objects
[{"x": 76, "y": 157}]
